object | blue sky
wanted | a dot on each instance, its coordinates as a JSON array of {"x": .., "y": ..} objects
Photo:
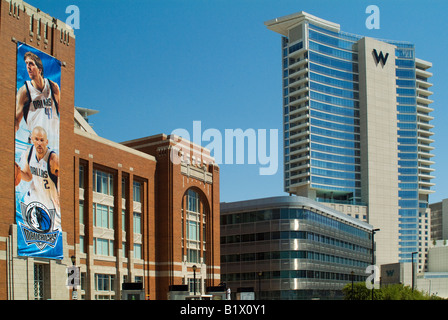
[{"x": 153, "y": 66}]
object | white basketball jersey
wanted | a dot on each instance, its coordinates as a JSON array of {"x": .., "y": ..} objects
[
  {"x": 43, "y": 111},
  {"x": 43, "y": 187}
]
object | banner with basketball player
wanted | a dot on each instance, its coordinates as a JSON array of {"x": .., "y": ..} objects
[{"x": 38, "y": 214}]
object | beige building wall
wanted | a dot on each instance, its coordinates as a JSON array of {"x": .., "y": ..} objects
[
  {"x": 438, "y": 258},
  {"x": 435, "y": 280},
  {"x": 379, "y": 151},
  {"x": 353, "y": 210}
]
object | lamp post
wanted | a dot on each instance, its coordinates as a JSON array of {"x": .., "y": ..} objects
[
  {"x": 353, "y": 275},
  {"x": 259, "y": 284},
  {"x": 74, "y": 293},
  {"x": 373, "y": 258},
  {"x": 413, "y": 272},
  {"x": 194, "y": 280}
]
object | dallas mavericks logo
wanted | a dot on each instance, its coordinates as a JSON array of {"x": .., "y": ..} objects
[{"x": 38, "y": 227}]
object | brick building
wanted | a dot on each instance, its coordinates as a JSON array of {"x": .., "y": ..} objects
[{"x": 144, "y": 211}]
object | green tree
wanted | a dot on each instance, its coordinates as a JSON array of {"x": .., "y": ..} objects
[
  {"x": 401, "y": 292},
  {"x": 360, "y": 292},
  {"x": 390, "y": 292}
]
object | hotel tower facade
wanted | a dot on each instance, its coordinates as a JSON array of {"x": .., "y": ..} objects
[{"x": 357, "y": 132}]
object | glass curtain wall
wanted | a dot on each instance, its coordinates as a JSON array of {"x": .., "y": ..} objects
[
  {"x": 407, "y": 150},
  {"x": 334, "y": 114}
]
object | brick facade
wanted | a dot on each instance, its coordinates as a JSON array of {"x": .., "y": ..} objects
[
  {"x": 195, "y": 170},
  {"x": 163, "y": 186}
]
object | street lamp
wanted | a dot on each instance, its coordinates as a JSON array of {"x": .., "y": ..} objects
[
  {"x": 260, "y": 273},
  {"x": 74, "y": 293},
  {"x": 373, "y": 258},
  {"x": 353, "y": 275},
  {"x": 413, "y": 272},
  {"x": 194, "y": 279}
]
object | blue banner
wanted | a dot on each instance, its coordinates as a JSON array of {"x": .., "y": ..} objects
[{"x": 38, "y": 214}]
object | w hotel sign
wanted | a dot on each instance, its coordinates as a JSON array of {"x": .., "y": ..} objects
[
  {"x": 380, "y": 57},
  {"x": 391, "y": 273}
]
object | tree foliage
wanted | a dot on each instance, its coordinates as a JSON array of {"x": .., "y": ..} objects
[{"x": 390, "y": 292}]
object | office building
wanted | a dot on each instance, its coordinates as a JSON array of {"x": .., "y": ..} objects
[
  {"x": 143, "y": 214},
  {"x": 439, "y": 220},
  {"x": 357, "y": 131},
  {"x": 292, "y": 248}
]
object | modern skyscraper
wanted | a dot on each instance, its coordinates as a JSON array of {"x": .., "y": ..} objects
[{"x": 357, "y": 128}]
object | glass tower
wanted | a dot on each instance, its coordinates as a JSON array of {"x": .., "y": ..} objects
[{"x": 339, "y": 92}]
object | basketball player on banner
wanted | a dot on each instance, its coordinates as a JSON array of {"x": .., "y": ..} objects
[
  {"x": 38, "y": 100},
  {"x": 41, "y": 167},
  {"x": 37, "y": 120}
]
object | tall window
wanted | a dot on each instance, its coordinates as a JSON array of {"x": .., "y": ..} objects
[
  {"x": 193, "y": 217},
  {"x": 123, "y": 188},
  {"x": 137, "y": 222},
  {"x": 138, "y": 251},
  {"x": 103, "y": 182},
  {"x": 81, "y": 176},
  {"x": 104, "y": 283},
  {"x": 137, "y": 191},
  {"x": 194, "y": 289},
  {"x": 103, "y": 247},
  {"x": 123, "y": 220},
  {"x": 38, "y": 282},
  {"x": 103, "y": 216},
  {"x": 81, "y": 211},
  {"x": 32, "y": 23}
]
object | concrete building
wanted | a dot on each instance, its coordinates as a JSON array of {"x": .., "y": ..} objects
[
  {"x": 439, "y": 220},
  {"x": 357, "y": 128},
  {"x": 144, "y": 213},
  {"x": 292, "y": 248},
  {"x": 434, "y": 281}
]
